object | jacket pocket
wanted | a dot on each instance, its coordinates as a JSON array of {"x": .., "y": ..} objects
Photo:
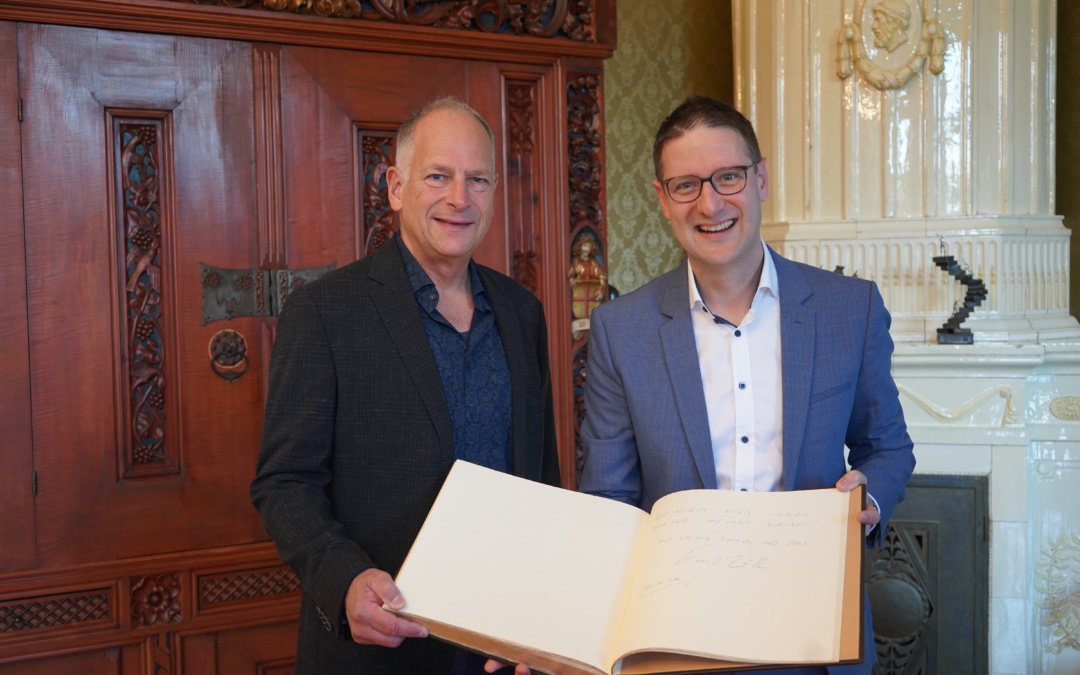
[{"x": 829, "y": 393}]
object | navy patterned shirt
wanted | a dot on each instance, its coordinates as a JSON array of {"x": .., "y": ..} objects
[{"x": 472, "y": 366}]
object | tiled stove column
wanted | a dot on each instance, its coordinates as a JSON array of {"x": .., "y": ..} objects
[{"x": 899, "y": 130}]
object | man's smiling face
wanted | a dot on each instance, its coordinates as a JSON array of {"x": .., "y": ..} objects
[
  {"x": 720, "y": 233},
  {"x": 445, "y": 193}
]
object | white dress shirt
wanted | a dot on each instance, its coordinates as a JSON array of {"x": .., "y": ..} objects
[{"x": 739, "y": 358}]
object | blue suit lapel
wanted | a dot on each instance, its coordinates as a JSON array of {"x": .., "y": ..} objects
[
  {"x": 797, "y": 359},
  {"x": 680, "y": 354}
]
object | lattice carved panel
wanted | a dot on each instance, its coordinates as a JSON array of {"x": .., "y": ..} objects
[
  {"x": 55, "y": 611},
  {"x": 246, "y": 585}
]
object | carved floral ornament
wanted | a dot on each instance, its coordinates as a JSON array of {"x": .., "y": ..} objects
[
  {"x": 895, "y": 57},
  {"x": 571, "y": 19},
  {"x": 1057, "y": 580},
  {"x": 156, "y": 599}
]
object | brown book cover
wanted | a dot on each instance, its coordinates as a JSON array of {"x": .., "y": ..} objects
[{"x": 570, "y": 583}]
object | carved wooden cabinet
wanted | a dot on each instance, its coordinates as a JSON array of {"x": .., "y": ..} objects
[{"x": 169, "y": 171}]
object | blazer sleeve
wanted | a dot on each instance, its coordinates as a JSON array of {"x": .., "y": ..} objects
[
  {"x": 612, "y": 468},
  {"x": 293, "y": 471},
  {"x": 877, "y": 438}
]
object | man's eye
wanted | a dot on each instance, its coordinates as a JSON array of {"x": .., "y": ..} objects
[
  {"x": 728, "y": 177},
  {"x": 684, "y": 185},
  {"x": 479, "y": 183},
  {"x": 434, "y": 178}
]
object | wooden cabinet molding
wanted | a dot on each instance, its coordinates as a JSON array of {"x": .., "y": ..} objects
[
  {"x": 184, "y": 17},
  {"x": 577, "y": 125},
  {"x": 124, "y": 576},
  {"x": 100, "y": 605}
]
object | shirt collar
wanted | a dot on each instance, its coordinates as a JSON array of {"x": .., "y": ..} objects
[
  {"x": 424, "y": 288},
  {"x": 766, "y": 284}
]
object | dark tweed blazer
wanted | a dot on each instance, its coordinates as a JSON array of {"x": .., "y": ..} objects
[{"x": 358, "y": 440}]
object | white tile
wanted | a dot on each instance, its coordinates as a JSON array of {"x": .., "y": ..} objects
[
  {"x": 1008, "y": 483},
  {"x": 1009, "y": 634},
  {"x": 1009, "y": 575},
  {"x": 953, "y": 459},
  {"x": 1065, "y": 663}
]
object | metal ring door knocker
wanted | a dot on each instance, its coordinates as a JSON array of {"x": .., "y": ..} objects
[{"x": 228, "y": 354}]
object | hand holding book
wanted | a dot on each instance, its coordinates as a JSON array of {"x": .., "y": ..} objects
[{"x": 702, "y": 583}]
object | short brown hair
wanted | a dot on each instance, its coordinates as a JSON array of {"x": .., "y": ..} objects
[{"x": 702, "y": 110}]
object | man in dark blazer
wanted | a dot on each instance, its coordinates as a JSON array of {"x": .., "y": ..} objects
[
  {"x": 740, "y": 369},
  {"x": 383, "y": 373}
]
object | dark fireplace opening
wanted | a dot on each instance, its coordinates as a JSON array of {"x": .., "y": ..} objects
[{"x": 928, "y": 584}]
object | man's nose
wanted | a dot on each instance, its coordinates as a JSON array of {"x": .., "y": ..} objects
[
  {"x": 710, "y": 200},
  {"x": 458, "y": 192}
]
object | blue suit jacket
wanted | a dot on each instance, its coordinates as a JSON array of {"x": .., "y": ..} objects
[{"x": 646, "y": 429}]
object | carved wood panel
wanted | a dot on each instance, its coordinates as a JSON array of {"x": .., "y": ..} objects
[
  {"x": 339, "y": 112},
  {"x": 569, "y": 19},
  {"x": 585, "y": 177},
  {"x": 377, "y": 152},
  {"x": 135, "y": 173},
  {"x": 145, "y": 155},
  {"x": 139, "y": 144},
  {"x": 524, "y": 239}
]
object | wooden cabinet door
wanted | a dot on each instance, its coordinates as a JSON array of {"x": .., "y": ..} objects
[
  {"x": 16, "y": 449},
  {"x": 146, "y": 159},
  {"x": 340, "y": 111},
  {"x": 137, "y": 158}
]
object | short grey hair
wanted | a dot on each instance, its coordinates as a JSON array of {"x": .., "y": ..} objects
[{"x": 407, "y": 131}]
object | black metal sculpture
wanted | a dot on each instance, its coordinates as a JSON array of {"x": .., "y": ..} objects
[{"x": 950, "y": 333}]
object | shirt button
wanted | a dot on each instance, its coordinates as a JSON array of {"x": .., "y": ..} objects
[
  {"x": 742, "y": 490},
  {"x": 738, "y": 333},
  {"x": 744, "y": 439},
  {"x": 742, "y": 385}
]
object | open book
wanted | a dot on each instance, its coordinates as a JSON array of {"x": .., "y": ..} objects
[{"x": 576, "y": 584}]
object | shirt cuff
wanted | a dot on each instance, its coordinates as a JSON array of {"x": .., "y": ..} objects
[{"x": 876, "y": 506}]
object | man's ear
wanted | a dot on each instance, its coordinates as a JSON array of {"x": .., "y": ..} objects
[{"x": 395, "y": 184}]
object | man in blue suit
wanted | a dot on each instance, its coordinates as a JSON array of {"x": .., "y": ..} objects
[{"x": 740, "y": 369}]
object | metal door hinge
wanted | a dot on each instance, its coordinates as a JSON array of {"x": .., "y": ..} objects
[
  {"x": 33, "y": 482},
  {"x": 229, "y": 293}
]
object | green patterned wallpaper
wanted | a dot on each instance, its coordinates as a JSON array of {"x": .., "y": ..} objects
[
  {"x": 667, "y": 49},
  {"x": 1068, "y": 135}
]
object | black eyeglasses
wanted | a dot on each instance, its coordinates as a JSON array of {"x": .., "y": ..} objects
[{"x": 730, "y": 180}]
